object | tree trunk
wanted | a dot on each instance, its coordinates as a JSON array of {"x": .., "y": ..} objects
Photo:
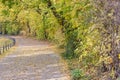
[
  {"x": 70, "y": 46},
  {"x": 28, "y": 26}
]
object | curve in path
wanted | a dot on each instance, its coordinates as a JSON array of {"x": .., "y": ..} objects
[{"x": 32, "y": 60}]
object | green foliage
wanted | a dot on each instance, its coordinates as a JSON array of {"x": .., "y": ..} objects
[
  {"x": 11, "y": 28},
  {"x": 77, "y": 74},
  {"x": 40, "y": 33},
  {"x": 9, "y": 3},
  {"x": 5, "y": 12}
]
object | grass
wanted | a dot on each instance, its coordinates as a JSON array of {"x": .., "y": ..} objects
[
  {"x": 4, "y": 41},
  {"x": 7, "y": 52}
]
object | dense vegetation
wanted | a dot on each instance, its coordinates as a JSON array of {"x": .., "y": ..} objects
[{"x": 87, "y": 29}]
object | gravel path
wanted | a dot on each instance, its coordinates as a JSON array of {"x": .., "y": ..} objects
[{"x": 32, "y": 60}]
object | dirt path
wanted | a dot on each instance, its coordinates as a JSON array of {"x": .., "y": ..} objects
[{"x": 32, "y": 60}]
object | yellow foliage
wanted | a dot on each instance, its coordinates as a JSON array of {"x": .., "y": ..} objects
[
  {"x": 108, "y": 60},
  {"x": 119, "y": 55}
]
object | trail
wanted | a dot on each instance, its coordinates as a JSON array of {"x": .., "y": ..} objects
[{"x": 32, "y": 60}]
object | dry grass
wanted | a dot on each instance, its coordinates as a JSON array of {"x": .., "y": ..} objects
[
  {"x": 4, "y": 41},
  {"x": 10, "y": 51}
]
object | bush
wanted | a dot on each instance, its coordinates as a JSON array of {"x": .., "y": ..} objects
[
  {"x": 12, "y": 28},
  {"x": 77, "y": 74}
]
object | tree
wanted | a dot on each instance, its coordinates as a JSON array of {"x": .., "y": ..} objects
[{"x": 107, "y": 16}]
